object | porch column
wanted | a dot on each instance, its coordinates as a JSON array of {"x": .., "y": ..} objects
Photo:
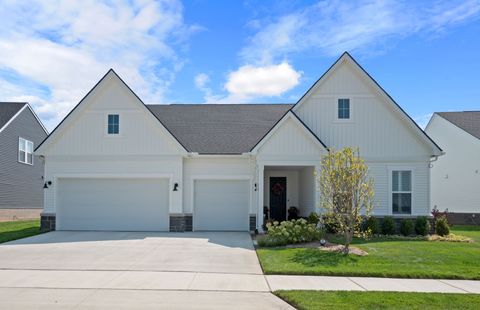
[
  {"x": 260, "y": 181},
  {"x": 318, "y": 171}
]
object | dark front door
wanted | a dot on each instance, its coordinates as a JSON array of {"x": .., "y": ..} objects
[{"x": 278, "y": 198}]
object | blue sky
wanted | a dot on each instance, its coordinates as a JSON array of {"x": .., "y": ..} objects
[{"x": 424, "y": 53}]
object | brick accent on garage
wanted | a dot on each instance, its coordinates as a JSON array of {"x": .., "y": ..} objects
[
  {"x": 47, "y": 222},
  {"x": 253, "y": 222},
  {"x": 180, "y": 222}
]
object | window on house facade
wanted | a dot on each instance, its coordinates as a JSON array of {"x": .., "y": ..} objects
[
  {"x": 343, "y": 108},
  {"x": 25, "y": 151},
  {"x": 113, "y": 127},
  {"x": 402, "y": 192}
]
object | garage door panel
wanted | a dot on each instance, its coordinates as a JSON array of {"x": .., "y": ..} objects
[
  {"x": 113, "y": 204},
  {"x": 221, "y": 205}
]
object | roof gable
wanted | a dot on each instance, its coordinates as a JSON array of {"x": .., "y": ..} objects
[
  {"x": 81, "y": 106},
  {"x": 347, "y": 58},
  {"x": 299, "y": 131},
  {"x": 468, "y": 121}
]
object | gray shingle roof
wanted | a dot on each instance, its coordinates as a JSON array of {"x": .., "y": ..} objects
[
  {"x": 466, "y": 120},
  {"x": 219, "y": 128},
  {"x": 8, "y": 110}
]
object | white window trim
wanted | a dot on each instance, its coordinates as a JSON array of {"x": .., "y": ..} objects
[
  {"x": 390, "y": 191},
  {"x": 343, "y": 120},
  {"x": 26, "y": 153},
  {"x": 105, "y": 126}
]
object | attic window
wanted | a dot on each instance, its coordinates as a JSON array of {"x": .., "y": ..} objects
[
  {"x": 343, "y": 108},
  {"x": 113, "y": 127}
]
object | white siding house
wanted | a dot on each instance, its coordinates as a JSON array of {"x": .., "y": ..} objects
[
  {"x": 456, "y": 175},
  {"x": 220, "y": 167}
]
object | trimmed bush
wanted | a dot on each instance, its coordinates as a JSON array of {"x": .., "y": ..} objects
[
  {"x": 313, "y": 218},
  {"x": 406, "y": 227},
  {"x": 330, "y": 224},
  {"x": 371, "y": 224},
  {"x": 289, "y": 232},
  {"x": 441, "y": 226},
  {"x": 422, "y": 226},
  {"x": 388, "y": 226}
]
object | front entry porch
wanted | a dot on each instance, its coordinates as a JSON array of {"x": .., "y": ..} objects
[{"x": 287, "y": 192}]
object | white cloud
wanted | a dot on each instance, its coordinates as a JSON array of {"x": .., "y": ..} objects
[
  {"x": 331, "y": 27},
  {"x": 201, "y": 80},
  {"x": 262, "y": 81},
  {"x": 66, "y": 46}
]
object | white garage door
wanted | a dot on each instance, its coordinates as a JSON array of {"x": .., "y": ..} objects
[
  {"x": 113, "y": 204},
  {"x": 221, "y": 205}
]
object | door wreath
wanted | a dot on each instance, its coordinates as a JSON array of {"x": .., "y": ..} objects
[{"x": 278, "y": 189}]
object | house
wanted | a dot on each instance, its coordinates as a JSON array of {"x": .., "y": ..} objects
[
  {"x": 115, "y": 163},
  {"x": 21, "y": 173},
  {"x": 456, "y": 176}
]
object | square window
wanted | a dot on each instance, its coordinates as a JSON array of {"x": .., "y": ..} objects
[
  {"x": 113, "y": 125},
  {"x": 343, "y": 109}
]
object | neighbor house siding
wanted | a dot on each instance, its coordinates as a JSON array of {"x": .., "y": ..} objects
[
  {"x": 456, "y": 175},
  {"x": 21, "y": 185}
]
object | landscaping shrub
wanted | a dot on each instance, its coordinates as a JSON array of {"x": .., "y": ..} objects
[
  {"x": 371, "y": 224},
  {"x": 290, "y": 232},
  {"x": 441, "y": 226},
  {"x": 313, "y": 218},
  {"x": 329, "y": 223},
  {"x": 406, "y": 227},
  {"x": 422, "y": 226},
  {"x": 388, "y": 226}
]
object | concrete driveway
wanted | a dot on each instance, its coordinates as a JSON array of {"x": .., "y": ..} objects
[{"x": 125, "y": 269}]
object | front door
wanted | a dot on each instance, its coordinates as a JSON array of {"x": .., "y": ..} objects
[{"x": 278, "y": 198}]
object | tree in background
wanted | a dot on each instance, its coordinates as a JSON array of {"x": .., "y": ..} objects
[{"x": 347, "y": 191}]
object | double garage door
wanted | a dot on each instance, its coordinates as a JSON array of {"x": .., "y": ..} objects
[
  {"x": 143, "y": 204},
  {"x": 113, "y": 204}
]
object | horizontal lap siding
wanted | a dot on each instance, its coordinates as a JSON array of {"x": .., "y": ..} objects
[{"x": 21, "y": 185}]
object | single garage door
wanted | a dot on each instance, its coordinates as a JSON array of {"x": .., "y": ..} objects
[
  {"x": 113, "y": 204},
  {"x": 221, "y": 205}
]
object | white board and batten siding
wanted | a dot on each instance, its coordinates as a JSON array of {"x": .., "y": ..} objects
[
  {"x": 143, "y": 151},
  {"x": 456, "y": 175},
  {"x": 382, "y": 133}
]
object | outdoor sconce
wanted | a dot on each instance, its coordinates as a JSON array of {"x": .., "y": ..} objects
[
  {"x": 255, "y": 187},
  {"x": 175, "y": 187},
  {"x": 46, "y": 184}
]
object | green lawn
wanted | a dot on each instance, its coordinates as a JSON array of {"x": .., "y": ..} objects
[
  {"x": 400, "y": 259},
  {"x": 379, "y": 300},
  {"x": 18, "y": 229}
]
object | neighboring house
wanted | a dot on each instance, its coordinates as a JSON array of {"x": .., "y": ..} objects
[
  {"x": 21, "y": 173},
  {"x": 456, "y": 176},
  {"x": 118, "y": 164}
]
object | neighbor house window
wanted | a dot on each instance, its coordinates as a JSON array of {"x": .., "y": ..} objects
[
  {"x": 343, "y": 108},
  {"x": 25, "y": 151},
  {"x": 113, "y": 124},
  {"x": 402, "y": 192}
]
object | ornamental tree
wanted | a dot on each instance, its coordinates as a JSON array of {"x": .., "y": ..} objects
[{"x": 346, "y": 191}]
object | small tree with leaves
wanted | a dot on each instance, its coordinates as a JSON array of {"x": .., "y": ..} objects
[{"x": 346, "y": 191}]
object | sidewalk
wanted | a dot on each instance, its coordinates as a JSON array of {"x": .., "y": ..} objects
[
  {"x": 220, "y": 282},
  {"x": 280, "y": 282}
]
